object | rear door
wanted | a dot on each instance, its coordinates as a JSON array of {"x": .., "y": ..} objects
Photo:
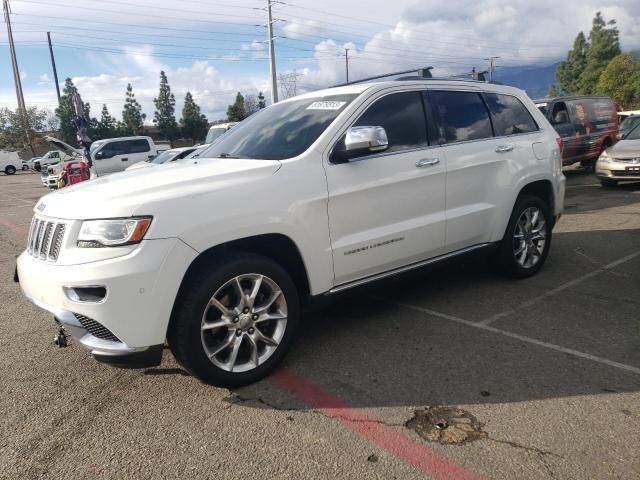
[
  {"x": 108, "y": 159},
  {"x": 138, "y": 150},
  {"x": 481, "y": 167},
  {"x": 386, "y": 210}
]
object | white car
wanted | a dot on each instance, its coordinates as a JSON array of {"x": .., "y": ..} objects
[
  {"x": 621, "y": 163},
  {"x": 9, "y": 162},
  {"x": 114, "y": 155},
  {"x": 167, "y": 156},
  {"x": 309, "y": 197}
]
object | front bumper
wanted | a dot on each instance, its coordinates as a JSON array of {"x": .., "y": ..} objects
[
  {"x": 619, "y": 171},
  {"x": 140, "y": 290}
]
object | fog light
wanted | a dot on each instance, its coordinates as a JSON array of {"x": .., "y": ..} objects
[{"x": 91, "y": 294}]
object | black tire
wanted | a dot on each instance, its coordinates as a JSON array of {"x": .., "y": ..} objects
[
  {"x": 505, "y": 258},
  {"x": 25, "y": 167},
  {"x": 608, "y": 183},
  {"x": 10, "y": 170},
  {"x": 184, "y": 335},
  {"x": 37, "y": 167}
]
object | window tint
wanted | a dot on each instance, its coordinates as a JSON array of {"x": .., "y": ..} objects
[
  {"x": 402, "y": 116},
  {"x": 462, "y": 115},
  {"x": 137, "y": 146},
  {"x": 509, "y": 115}
]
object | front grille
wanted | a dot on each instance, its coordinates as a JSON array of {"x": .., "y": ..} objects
[
  {"x": 45, "y": 239},
  {"x": 625, "y": 173},
  {"x": 96, "y": 329}
]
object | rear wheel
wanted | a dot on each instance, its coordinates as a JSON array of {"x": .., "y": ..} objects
[
  {"x": 608, "y": 183},
  {"x": 10, "y": 170},
  {"x": 235, "y": 320},
  {"x": 525, "y": 245}
]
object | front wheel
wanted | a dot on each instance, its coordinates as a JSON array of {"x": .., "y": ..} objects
[
  {"x": 235, "y": 320},
  {"x": 526, "y": 242},
  {"x": 10, "y": 170}
]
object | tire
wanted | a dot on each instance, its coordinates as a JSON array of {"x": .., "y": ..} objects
[
  {"x": 37, "y": 167},
  {"x": 204, "y": 338},
  {"x": 608, "y": 183},
  {"x": 25, "y": 168},
  {"x": 10, "y": 170},
  {"x": 508, "y": 259}
]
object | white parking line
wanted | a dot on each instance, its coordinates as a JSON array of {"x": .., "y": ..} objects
[
  {"x": 533, "y": 341},
  {"x": 561, "y": 288},
  {"x": 28, "y": 202}
]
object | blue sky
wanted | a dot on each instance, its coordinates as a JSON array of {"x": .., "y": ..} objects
[{"x": 216, "y": 48}]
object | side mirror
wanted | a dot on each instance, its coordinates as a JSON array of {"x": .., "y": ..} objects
[
  {"x": 360, "y": 141},
  {"x": 101, "y": 155}
]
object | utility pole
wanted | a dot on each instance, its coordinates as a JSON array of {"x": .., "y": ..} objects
[
  {"x": 346, "y": 61},
  {"x": 22, "y": 109},
  {"x": 53, "y": 64},
  {"x": 492, "y": 66},
  {"x": 272, "y": 55}
]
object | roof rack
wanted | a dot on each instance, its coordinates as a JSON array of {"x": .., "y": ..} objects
[{"x": 425, "y": 74}]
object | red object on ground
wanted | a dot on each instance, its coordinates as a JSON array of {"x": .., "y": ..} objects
[
  {"x": 75, "y": 172},
  {"x": 389, "y": 438}
]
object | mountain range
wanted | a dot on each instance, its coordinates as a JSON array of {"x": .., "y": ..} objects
[{"x": 534, "y": 79}]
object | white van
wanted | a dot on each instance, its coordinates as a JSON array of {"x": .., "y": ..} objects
[
  {"x": 217, "y": 130},
  {"x": 9, "y": 162}
]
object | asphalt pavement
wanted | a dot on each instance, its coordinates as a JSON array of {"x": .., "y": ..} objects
[{"x": 451, "y": 372}]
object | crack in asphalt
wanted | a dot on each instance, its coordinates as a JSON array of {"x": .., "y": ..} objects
[{"x": 524, "y": 447}]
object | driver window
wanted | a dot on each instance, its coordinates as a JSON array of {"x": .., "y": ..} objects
[
  {"x": 402, "y": 116},
  {"x": 560, "y": 114}
]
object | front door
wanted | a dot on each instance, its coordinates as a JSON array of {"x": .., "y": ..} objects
[{"x": 387, "y": 210}]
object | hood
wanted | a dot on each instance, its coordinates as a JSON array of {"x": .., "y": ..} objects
[
  {"x": 625, "y": 149},
  {"x": 145, "y": 190},
  {"x": 60, "y": 145},
  {"x": 138, "y": 165}
]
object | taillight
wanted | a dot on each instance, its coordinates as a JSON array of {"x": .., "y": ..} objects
[{"x": 559, "y": 142}]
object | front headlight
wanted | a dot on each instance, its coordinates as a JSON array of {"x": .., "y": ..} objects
[
  {"x": 113, "y": 232},
  {"x": 604, "y": 157}
]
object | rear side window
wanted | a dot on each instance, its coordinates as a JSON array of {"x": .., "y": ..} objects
[
  {"x": 402, "y": 116},
  {"x": 137, "y": 146},
  {"x": 509, "y": 115},
  {"x": 462, "y": 116}
]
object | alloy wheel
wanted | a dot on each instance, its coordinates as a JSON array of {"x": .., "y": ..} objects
[
  {"x": 244, "y": 322},
  {"x": 530, "y": 237}
]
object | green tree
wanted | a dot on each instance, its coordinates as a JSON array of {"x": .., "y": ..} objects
[
  {"x": 621, "y": 81},
  {"x": 164, "y": 117},
  {"x": 12, "y": 132},
  {"x": 65, "y": 113},
  {"x": 132, "y": 116},
  {"x": 553, "y": 91},
  {"x": 193, "y": 123},
  {"x": 261, "y": 103},
  {"x": 569, "y": 71},
  {"x": 604, "y": 46},
  {"x": 236, "y": 111},
  {"x": 107, "y": 125}
]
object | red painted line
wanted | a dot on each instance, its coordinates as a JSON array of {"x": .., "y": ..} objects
[
  {"x": 389, "y": 438},
  {"x": 16, "y": 228}
]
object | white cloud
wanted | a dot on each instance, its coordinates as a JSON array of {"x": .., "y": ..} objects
[
  {"x": 23, "y": 75},
  {"x": 44, "y": 78},
  {"x": 303, "y": 28},
  {"x": 255, "y": 46}
]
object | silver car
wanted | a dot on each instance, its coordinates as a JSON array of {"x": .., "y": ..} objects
[{"x": 620, "y": 163}]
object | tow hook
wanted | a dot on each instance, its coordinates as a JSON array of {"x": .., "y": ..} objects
[{"x": 61, "y": 339}]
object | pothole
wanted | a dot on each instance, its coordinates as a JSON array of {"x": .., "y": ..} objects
[{"x": 446, "y": 425}]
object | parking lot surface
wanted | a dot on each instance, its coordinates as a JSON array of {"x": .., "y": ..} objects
[{"x": 543, "y": 375}]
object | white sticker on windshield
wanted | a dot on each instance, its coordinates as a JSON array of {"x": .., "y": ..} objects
[{"x": 326, "y": 105}]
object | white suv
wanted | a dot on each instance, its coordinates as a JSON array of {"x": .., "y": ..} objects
[{"x": 309, "y": 197}]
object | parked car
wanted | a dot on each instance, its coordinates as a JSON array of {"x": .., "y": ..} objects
[
  {"x": 628, "y": 124},
  {"x": 9, "y": 162},
  {"x": 307, "y": 198},
  {"x": 51, "y": 158},
  {"x": 116, "y": 154},
  {"x": 587, "y": 126},
  {"x": 167, "y": 156},
  {"x": 216, "y": 131},
  {"x": 621, "y": 163}
]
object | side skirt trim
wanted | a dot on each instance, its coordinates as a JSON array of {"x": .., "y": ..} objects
[{"x": 406, "y": 268}]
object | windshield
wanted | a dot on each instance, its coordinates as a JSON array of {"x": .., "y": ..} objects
[
  {"x": 629, "y": 122},
  {"x": 214, "y": 133},
  {"x": 95, "y": 146},
  {"x": 281, "y": 131},
  {"x": 164, "y": 157},
  {"x": 634, "y": 134}
]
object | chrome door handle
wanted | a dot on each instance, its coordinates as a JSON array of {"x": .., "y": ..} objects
[
  {"x": 504, "y": 148},
  {"x": 427, "y": 162}
]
